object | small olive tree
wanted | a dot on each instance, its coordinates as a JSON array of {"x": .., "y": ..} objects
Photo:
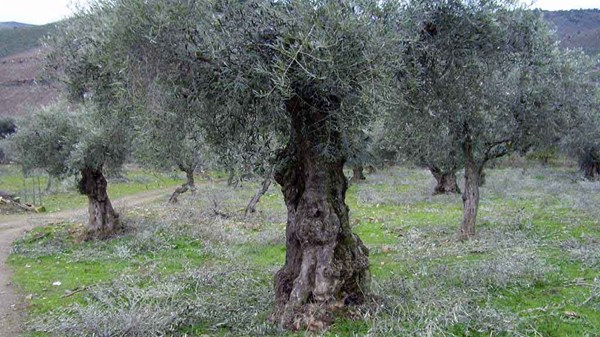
[
  {"x": 479, "y": 73},
  {"x": 81, "y": 55},
  {"x": 580, "y": 93},
  {"x": 66, "y": 143}
]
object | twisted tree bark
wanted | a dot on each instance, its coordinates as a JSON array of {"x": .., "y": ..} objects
[
  {"x": 358, "y": 173},
  {"x": 446, "y": 181},
  {"x": 189, "y": 185},
  {"x": 103, "y": 221},
  {"x": 326, "y": 265}
]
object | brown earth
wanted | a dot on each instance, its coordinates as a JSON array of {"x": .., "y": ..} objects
[
  {"x": 13, "y": 226},
  {"x": 21, "y": 86}
]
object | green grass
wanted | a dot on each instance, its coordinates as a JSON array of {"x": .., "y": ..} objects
[
  {"x": 534, "y": 268},
  {"x": 63, "y": 194}
]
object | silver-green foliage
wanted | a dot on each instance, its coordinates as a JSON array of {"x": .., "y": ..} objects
[
  {"x": 46, "y": 140},
  {"x": 61, "y": 141},
  {"x": 222, "y": 70},
  {"x": 477, "y": 71}
]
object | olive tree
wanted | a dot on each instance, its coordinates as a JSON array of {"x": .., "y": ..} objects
[
  {"x": 580, "y": 94},
  {"x": 81, "y": 55},
  {"x": 306, "y": 72},
  {"x": 169, "y": 137},
  {"x": 303, "y": 73},
  {"x": 479, "y": 73},
  {"x": 67, "y": 143},
  {"x": 421, "y": 139}
]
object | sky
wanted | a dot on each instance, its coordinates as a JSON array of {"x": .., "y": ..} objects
[{"x": 45, "y": 11}]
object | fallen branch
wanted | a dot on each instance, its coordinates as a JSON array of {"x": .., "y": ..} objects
[
  {"x": 76, "y": 291},
  {"x": 26, "y": 207}
]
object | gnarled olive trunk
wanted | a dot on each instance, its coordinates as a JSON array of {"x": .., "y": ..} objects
[
  {"x": 591, "y": 171},
  {"x": 189, "y": 185},
  {"x": 470, "y": 196},
  {"x": 445, "y": 179},
  {"x": 326, "y": 265},
  {"x": 358, "y": 173},
  {"x": 590, "y": 165},
  {"x": 103, "y": 221}
]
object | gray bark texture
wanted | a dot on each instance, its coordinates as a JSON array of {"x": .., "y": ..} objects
[
  {"x": 470, "y": 195},
  {"x": 103, "y": 221},
  {"x": 326, "y": 265},
  {"x": 446, "y": 181},
  {"x": 358, "y": 174},
  {"x": 189, "y": 185}
]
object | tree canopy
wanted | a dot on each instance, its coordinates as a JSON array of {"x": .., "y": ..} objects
[
  {"x": 478, "y": 83},
  {"x": 295, "y": 84}
]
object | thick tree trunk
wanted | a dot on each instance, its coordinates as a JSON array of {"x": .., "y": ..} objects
[
  {"x": 189, "y": 185},
  {"x": 446, "y": 181},
  {"x": 470, "y": 194},
  {"x": 189, "y": 174},
  {"x": 262, "y": 189},
  {"x": 590, "y": 165},
  {"x": 326, "y": 265},
  {"x": 357, "y": 173},
  {"x": 103, "y": 221},
  {"x": 592, "y": 171},
  {"x": 231, "y": 179}
]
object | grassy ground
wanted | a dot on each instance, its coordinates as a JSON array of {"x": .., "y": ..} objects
[
  {"x": 185, "y": 270},
  {"x": 64, "y": 195}
]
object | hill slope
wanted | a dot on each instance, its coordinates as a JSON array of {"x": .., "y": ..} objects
[
  {"x": 20, "y": 90},
  {"x": 577, "y": 28},
  {"x": 12, "y": 25},
  {"x": 17, "y": 37}
]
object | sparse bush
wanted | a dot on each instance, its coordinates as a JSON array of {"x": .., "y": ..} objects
[
  {"x": 587, "y": 251},
  {"x": 224, "y": 300},
  {"x": 7, "y": 127}
]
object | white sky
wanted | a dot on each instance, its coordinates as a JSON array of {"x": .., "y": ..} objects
[{"x": 44, "y": 11}]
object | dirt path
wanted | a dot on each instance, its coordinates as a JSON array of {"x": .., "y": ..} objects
[{"x": 13, "y": 226}]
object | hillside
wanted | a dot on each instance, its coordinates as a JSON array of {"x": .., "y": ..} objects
[
  {"x": 13, "y": 25},
  {"x": 577, "y": 28},
  {"x": 20, "y": 63},
  {"x": 20, "y": 89},
  {"x": 17, "y": 37}
]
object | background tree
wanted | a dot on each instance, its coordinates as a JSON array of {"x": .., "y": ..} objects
[
  {"x": 421, "y": 139},
  {"x": 580, "y": 93},
  {"x": 82, "y": 55},
  {"x": 478, "y": 71},
  {"x": 7, "y": 127},
  {"x": 359, "y": 154},
  {"x": 66, "y": 143},
  {"x": 169, "y": 137}
]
